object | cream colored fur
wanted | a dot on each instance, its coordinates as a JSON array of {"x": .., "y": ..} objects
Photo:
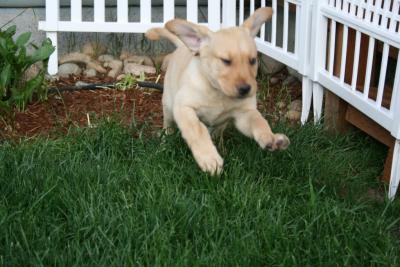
[{"x": 211, "y": 80}]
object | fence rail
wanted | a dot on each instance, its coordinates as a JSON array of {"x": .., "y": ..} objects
[{"x": 322, "y": 51}]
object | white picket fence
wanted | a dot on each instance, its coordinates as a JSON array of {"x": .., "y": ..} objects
[{"x": 313, "y": 55}]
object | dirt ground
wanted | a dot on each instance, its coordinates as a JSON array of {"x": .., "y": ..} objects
[{"x": 82, "y": 108}]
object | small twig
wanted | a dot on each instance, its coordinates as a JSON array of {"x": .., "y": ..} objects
[{"x": 88, "y": 120}]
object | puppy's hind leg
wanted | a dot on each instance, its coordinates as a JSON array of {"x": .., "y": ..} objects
[{"x": 168, "y": 121}]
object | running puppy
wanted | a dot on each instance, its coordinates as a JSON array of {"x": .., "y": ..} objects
[{"x": 211, "y": 80}]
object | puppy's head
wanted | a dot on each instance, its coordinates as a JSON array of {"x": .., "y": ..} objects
[{"x": 228, "y": 57}]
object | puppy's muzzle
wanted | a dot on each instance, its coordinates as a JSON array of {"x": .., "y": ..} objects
[{"x": 243, "y": 90}]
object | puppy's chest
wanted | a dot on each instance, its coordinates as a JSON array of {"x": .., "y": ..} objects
[{"x": 215, "y": 115}]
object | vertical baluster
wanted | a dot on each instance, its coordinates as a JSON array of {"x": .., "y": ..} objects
[
  {"x": 274, "y": 16},
  {"x": 192, "y": 6},
  {"x": 360, "y": 10},
  {"x": 395, "y": 10},
  {"x": 99, "y": 10},
  {"x": 262, "y": 34},
  {"x": 285, "y": 25},
  {"x": 241, "y": 12},
  {"x": 122, "y": 11},
  {"x": 145, "y": 11},
  {"x": 338, "y": 5},
  {"x": 346, "y": 6},
  {"x": 356, "y": 61},
  {"x": 370, "y": 59},
  {"x": 396, "y": 88},
  {"x": 377, "y": 11},
  {"x": 332, "y": 46},
  {"x": 382, "y": 76},
  {"x": 169, "y": 10},
  {"x": 52, "y": 19},
  {"x": 297, "y": 33},
  {"x": 352, "y": 8},
  {"x": 76, "y": 10},
  {"x": 395, "y": 172},
  {"x": 386, "y": 12},
  {"x": 229, "y": 13},
  {"x": 252, "y": 6},
  {"x": 344, "y": 53},
  {"x": 214, "y": 14},
  {"x": 369, "y": 10}
]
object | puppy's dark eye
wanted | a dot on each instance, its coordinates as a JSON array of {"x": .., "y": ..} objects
[
  {"x": 227, "y": 62},
  {"x": 253, "y": 61}
]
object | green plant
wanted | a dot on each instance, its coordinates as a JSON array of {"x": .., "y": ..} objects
[
  {"x": 130, "y": 81},
  {"x": 127, "y": 82},
  {"x": 14, "y": 62}
]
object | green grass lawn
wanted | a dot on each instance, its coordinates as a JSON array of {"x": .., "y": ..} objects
[{"x": 111, "y": 197}]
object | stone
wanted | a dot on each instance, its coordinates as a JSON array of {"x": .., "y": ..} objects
[
  {"x": 90, "y": 73},
  {"x": 32, "y": 71},
  {"x": 289, "y": 80},
  {"x": 116, "y": 67},
  {"x": 165, "y": 62},
  {"x": 294, "y": 73},
  {"x": 270, "y": 66},
  {"x": 293, "y": 115},
  {"x": 81, "y": 58},
  {"x": 295, "y": 105},
  {"x": 281, "y": 104},
  {"x": 141, "y": 60},
  {"x": 67, "y": 69},
  {"x": 125, "y": 54},
  {"x": 137, "y": 69},
  {"x": 93, "y": 48},
  {"x": 120, "y": 77},
  {"x": 105, "y": 58},
  {"x": 273, "y": 81}
]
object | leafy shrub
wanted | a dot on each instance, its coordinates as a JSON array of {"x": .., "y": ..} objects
[{"x": 15, "y": 89}]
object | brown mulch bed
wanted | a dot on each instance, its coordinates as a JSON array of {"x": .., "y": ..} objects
[{"x": 82, "y": 108}]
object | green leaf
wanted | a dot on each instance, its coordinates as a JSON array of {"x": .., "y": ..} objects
[
  {"x": 3, "y": 48},
  {"x": 4, "y": 105},
  {"x": 11, "y": 31},
  {"x": 43, "y": 53},
  {"x": 5, "y": 77},
  {"x": 23, "y": 39}
]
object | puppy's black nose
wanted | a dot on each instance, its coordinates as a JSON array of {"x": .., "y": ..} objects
[{"x": 244, "y": 89}]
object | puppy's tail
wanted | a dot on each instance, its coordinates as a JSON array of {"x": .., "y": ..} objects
[{"x": 158, "y": 33}]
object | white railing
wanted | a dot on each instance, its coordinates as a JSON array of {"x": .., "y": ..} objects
[
  {"x": 297, "y": 59},
  {"x": 313, "y": 54},
  {"x": 372, "y": 24},
  {"x": 52, "y": 25}
]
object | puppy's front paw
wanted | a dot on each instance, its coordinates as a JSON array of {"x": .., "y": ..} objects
[
  {"x": 211, "y": 163},
  {"x": 279, "y": 142}
]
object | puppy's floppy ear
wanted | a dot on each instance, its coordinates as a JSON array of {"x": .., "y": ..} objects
[
  {"x": 255, "y": 21},
  {"x": 192, "y": 35}
]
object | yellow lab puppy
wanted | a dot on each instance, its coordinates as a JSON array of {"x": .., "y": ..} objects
[{"x": 211, "y": 80}]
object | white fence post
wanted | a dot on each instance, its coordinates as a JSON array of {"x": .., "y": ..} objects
[
  {"x": 395, "y": 173},
  {"x": 145, "y": 11},
  {"x": 192, "y": 10},
  {"x": 228, "y": 13},
  {"x": 169, "y": 10},
  {"x": 304, "y": 54},
  {"x": 318, "y": 56},
  {"x": 52, "y": 19},
  {"x": 214, "y": 14}
]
